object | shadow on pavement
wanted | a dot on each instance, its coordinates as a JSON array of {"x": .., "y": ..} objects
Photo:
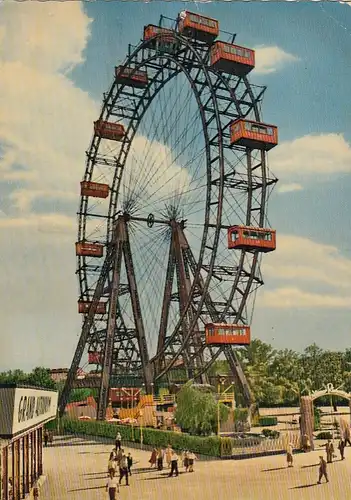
[
  {"x": 87, "y": 489},
  {"x": 304, "y": 486},
  {"x": 276, "y": 468}
]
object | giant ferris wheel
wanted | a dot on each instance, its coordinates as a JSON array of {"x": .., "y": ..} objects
[{"x": 173, "y": 210}]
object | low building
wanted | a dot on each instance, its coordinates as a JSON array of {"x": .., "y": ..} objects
[{"x": 23, "y": 412}]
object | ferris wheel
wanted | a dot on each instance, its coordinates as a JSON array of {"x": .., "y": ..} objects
[{"x": 173, "y": 209}]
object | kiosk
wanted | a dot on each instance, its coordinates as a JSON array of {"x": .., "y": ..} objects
[{"x": 23, "y": 412}]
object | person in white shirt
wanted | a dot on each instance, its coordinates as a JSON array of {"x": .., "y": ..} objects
[
  {"x": 118, "y": 441},
  {"x": 174, "y": 464},
  {"x": 112, "y": 485}
]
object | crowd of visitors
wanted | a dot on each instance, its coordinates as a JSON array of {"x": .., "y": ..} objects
[{"x": 121, "y": 463}]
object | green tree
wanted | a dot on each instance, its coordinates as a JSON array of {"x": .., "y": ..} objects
[
  {"x": 196, "y": 411},
  {"x": 40, "y": 377},
  {"x": 13, "y": 377}
]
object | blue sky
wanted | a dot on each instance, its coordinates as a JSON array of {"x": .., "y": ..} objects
[{"x": 52, "y": 92}]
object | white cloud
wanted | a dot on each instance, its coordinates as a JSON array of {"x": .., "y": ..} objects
[
  {"x": 303, "y": 266},
  {"x": 45, "y": 121},
  {"x": 294, "y": 298},
  {"x": 305, "y": 261},
  {"x": 310, "y": 158},
  {"x": 271, "y": 59},
  {"x": 288, "y": 188}
]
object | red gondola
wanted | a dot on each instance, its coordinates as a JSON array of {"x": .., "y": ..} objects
[
  {"x": 94, "y": 358},
  {"x": 202, "y": 28},
  {"x": 131, "y": 77},
  {"x": 94, "y": 189},
  {"x": 85, "y": 249},
  {"x": 223, "y": 333},
  {"x": 254, "y": 135},
  {"x": 84, "y": 305},
  {"x": 167, "y": 35},
  {"x": 107, "y": 130},
  {"x": 232, "y": 59},
  {"x": 252, "y": 238}
]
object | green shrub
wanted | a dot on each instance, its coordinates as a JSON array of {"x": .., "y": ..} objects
[
  {"x": 267, "y": 421},
  {"x": 269, "y": 433},
  {"x": 317, "y": 419},
  {"x": 324, "y": 435},
  {"x": 203, "y": 445}
]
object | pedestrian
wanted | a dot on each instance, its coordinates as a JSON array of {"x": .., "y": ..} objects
[
  {"x": 185, "y": 460},
  {"x": 289, "y": 455},
  {"x": 112, "y": 486},
  {"x": 347, "y": 436},
  {"x": 306, "y": 445},
  {"x": 46, "y": 437},
  {"x": 169, "y": 455},
  {"x": 322, "y": 470},
  {"x": 174, "y": 464},
  {"x": 329, "y": 448},
  {"x": 118, "y": 441},
  {"x": 342, "y": 448},
  {"x": 191, "y": 458},
  {"x": 130, "y": 463},
  {"x": 160, "y": 455},
  {"x": 111, "y": 466},
  {"x": 153, "y": 458},
  {"x": 119, "y": 455},
  {"x": 123, "y": 469}
]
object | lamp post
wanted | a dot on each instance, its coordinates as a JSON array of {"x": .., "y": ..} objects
[{"x": 141, "y": 428}]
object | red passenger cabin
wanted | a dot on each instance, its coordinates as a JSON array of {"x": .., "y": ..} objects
[
  {"x": 107, "y": 130},
  {"x": 166, "y": 34},
  {"x": 253, "y": 135},
  {"x": 251, "y": 238},
  {"x": 94, "y": 358},
  {"x": 204, "y": 29},
  {"x": 94, "y": 189},
  {"x": 84, "y": 305},
  {"x": 85, "y": 249},
  {"x": 232, "y": 59},
  {"x": 224, "y": 333},
  {"x": 130, "y": 76}
]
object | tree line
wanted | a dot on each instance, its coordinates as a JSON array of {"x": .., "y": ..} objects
[
  {"x": 280, "y": 377},
  {"x": 276, "y": 377}
]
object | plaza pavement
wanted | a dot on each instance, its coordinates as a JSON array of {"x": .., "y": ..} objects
[{"x": 75, "y": 468}]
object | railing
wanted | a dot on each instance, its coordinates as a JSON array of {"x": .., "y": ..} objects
[{"x": 252, "y": 446}]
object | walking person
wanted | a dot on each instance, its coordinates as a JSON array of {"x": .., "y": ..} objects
[
  {"x": 191, "y": 457},
  {"x": 153, "y": 458},
  {"x": 322, "y": 470},
  {"x": 160, "y": 455},
  {"x": 329, "y": 448},
  {"x": 289, "y": 455},
  {"x": 174, "y": 464},
  {"x": 169, "y": 455},
  {"x": 130, "y": 463},
  {"x": 123, "y": 469},
  {"x": 185, "y": 460},
  {"x": 118, "y": 441},
  {"x": 341, "y": 447},
  {"x": 111, "y": 466},
  {"x": 112, "y": 486},
  {"x": 46, "y": 437}
]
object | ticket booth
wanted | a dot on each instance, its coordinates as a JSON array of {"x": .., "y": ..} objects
[{"x": 23, "y": 413}]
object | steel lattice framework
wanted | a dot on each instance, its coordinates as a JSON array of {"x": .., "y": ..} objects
[{"x": 164, "y": 226}]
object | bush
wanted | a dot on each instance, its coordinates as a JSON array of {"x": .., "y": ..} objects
[
  {"x": 324, "y": 435},
  {"x": 267, "y": 421},
  {"x": 203, "y": 445},
  {"x": 268, "y": 433}
]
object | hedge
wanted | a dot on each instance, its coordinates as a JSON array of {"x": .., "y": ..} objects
[
  {"x": 267, "y": 421},
  {"x": 211, "y": 446},
  {"x": 324, "y": 435}
]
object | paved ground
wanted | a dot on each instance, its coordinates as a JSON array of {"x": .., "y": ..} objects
[{"x": 76, "y": 469}]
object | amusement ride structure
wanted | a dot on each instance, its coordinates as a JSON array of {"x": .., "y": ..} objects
[{"x": 173, "y": 212}]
